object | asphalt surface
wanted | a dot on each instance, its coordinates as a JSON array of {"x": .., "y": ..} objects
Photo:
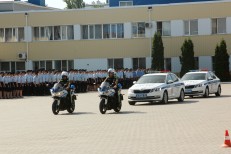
[{"x": 196, "y": 126}]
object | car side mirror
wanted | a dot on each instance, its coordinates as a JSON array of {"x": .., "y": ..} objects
[
  {"x": 170, "y": 81},
  {"x": 134, "y": 82},
  {"x": 210, "y": 78}
]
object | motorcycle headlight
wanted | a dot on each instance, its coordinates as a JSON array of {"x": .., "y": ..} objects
[
  {"x": 198, "y": 85},
  {"x": 155, "y": 89}
]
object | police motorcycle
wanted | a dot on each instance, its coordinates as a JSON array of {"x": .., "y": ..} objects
[
  {"x": 108, "y": 99},
  {"x": 62, "y": 101}
]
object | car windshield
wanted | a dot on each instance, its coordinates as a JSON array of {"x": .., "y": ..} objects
[
  {"x": 194, "y": 76},
  {"x": 152, "y": 79}
]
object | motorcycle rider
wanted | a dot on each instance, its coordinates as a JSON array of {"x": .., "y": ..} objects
[
  {"x": 113, "y": 81},
  {"x": 65, "y": 83}
]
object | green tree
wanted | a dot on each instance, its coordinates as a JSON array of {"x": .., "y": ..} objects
[
  {"x": 187, "y": 57},
  {"x": 157, "y": 53},
  {"x": 74, "y": 4},
  {"x": 221, "y": 58}
]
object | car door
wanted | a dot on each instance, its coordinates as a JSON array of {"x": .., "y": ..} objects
[
  {"x": 170, "y": 86},
  {"x": 176, "y": 85},
  {"x": 210, "y": 83},
  {"x": 215, "y": 82}
]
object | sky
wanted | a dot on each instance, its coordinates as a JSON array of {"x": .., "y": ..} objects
[{"x": 59, "y": 3}]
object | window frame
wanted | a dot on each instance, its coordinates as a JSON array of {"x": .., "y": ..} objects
[
  {"x": 126, "y": 3},
  {"x": 136, "y": 25},
  {"x": 161, "y": 23},
  {"x": 190, "y": 27},
  {"x": 217, "y": 25}
]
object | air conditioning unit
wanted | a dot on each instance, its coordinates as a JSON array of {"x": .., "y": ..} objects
[
  {"x": 148, "y": 25},
  {"x": 22, "y": 56}
]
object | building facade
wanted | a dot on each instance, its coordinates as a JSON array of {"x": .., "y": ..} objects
[
  {"x": 116, "y": 3},
  {"x": 120, "y": 37}
]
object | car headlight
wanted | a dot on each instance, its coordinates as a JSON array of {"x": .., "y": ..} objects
[
  {"x": 198, "y": 85},
  {"x": 155, "y": 89}
]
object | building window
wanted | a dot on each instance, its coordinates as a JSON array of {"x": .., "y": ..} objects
[
  {"x": 125, "y": 3},
  {"x": 20, "y": 66},
  {"x": 91, "y": 32},
  {"x": 164, "y": 28},
  {"x": 104, "y": 31},
  {"x": 4, "y": 67},
  {"x": 36, "y": 33},
  {"x": 12, "y": 34},
  {"x": 49, "y": 33},
  {"x": 70, "y": 32},
  {"x": 120, "y": 30},
  {"x": 64, "y": 65},
  {"x": 57, "y": 33},
  {"x": 138, "y": 29},
  {"x": 48, "y": 65},
  {"x": 113, "y": 31},
  {"x": 168, "y": 64},
  {"x": 219, "y": 26},
  {"x": 98, "y": 31},
  {"x": 85, "y": 32},
  {"x": 191, "y": 27},
  {"x": 2, "y": 35},
  {"x": 116, "y": 63},
  {"x": 64, "y": 32},
  {"x": 139, "y": 63},
  {"x": 53, "y": 33},
  {"x": 43, "y": 65},
  {"x": 8, "y": 34}
]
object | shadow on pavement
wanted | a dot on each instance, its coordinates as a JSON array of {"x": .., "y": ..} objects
[
  {"x": 128, "y": 112},
  {"x": 210, "y": 96},
  {"x": 169, "y": 103},
  {"x": 77, "y": 113}
]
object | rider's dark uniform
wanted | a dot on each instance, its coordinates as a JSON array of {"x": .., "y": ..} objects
[
  {"x": 66, "y": 84},
  {"x": 112, "y": 82}
]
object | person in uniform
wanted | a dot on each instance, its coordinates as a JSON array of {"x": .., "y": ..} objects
[{"x": 1, "y": 85}]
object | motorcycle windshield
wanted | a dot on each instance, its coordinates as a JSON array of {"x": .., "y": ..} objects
[
  {"x": 104, "y": 86},
  {"x": 57, "y": 87}
]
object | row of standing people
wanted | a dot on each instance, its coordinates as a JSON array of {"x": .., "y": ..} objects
[{"x": 39, "y": 83}]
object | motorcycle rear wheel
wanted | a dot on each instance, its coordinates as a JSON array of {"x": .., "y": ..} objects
[
  {"x": 102, "y": 107},
  {"x": 55, "y": 108}
]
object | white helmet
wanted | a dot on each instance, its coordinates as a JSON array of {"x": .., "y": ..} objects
[
  {"x": 64, "y": 73},
  {"x": 111, "y": 70}
]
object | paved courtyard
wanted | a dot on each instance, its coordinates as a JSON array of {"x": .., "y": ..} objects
[{"x": 196, "y": 126}]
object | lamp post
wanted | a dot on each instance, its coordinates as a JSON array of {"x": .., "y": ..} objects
[
  {"x": 27, "y": 41},
  {"x": 149, "y": 20}
]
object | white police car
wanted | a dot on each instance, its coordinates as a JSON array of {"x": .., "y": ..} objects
[
  {"x": 201, "y": 83},
  {"x": 156, "y": 87}
]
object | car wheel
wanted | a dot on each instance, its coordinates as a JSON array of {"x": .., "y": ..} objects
[
  {"x": 181, "y": 98},
  {"x": 165, "y": 98},
  {"x": 206, "y": 94},
  {"x": 132, "y": 103},
  {"x": 218, "y": 93}
]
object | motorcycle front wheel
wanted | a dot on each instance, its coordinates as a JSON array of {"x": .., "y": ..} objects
[
  {"x": 102, "y": 106},
  {"x": 118, "y": 107},
  {"x": 55, "y": 107},
  {"x": 72, "y": 107}
]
